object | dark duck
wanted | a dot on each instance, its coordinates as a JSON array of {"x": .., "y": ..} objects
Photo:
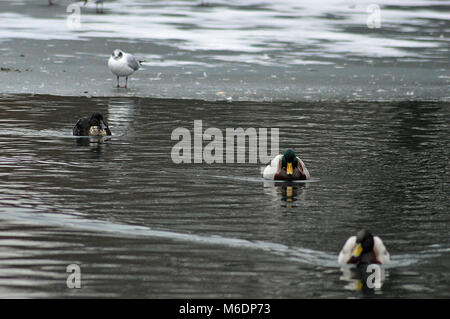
[{"x": 93, "y": 126}]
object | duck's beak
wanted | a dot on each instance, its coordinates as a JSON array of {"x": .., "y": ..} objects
[
  {"x": 357, "y": 250},
  {"x": 289, "y": 169}
]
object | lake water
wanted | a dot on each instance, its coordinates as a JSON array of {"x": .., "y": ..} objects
[{"x": 141, "y": 226}]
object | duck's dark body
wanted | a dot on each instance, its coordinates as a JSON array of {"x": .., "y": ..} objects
[
  {"x": 283, "y": 176},
  {"x": 93, "y": 126},
  {"x": 366, "y": 258}
]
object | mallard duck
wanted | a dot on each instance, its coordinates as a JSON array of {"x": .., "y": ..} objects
[
  {"x": 93, "y": 126},
  {"x": 286, "y": 167},
  {"x": 364, "y": 249},
  {"x": 123, "y": 64}
]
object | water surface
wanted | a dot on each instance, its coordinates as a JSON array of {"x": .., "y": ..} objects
[{"x": 141, "y": 226}]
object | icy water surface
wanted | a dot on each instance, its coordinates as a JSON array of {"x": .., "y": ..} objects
[
  {"x": 141, "y": 226},
  {"x": 282, "y": 32},
  {"x": 259, "y": 50}
]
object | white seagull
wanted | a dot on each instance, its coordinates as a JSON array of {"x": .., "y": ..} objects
[{"x": 123, "y": 64}]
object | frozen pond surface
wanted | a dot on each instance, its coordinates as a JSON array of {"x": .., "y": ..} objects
[{"x": 247, "y": 50}]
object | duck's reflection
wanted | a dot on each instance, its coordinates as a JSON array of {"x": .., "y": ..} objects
[
  {"x": 368, "y": 279},
  {"x": 287, "y": 192},
  {"x": 96, "y": 144}
]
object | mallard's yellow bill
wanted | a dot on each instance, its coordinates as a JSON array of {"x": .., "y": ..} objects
[
  {"x": 357, "y": 251},
  {"x": 289, "y": 169}
]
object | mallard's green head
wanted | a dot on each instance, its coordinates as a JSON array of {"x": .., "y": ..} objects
[{"x": 289, "y": 161}]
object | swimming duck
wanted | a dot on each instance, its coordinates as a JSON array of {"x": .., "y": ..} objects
[
  {"x": 123, "y": 64},
  {"x": 364, "y": 249},
  {"x": 286, "y": 167},
  {"x": 93, "y": 126}
]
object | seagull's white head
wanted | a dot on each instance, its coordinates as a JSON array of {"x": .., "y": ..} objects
[{"x": 117, "y": 54}]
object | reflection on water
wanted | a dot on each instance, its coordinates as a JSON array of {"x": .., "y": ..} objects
[
  {"x": 367, "y": 280},
  {"x": 219, "y": 230},
  {"x": 287, "y": 192},
  {"x": 96, "y": 145}
]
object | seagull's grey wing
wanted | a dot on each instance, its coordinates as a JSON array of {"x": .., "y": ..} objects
[{"x": 132, "y": 62}]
